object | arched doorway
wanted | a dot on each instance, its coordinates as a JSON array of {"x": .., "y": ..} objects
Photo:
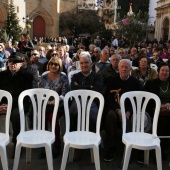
[
  {"x": 38, "y": 27},
  {"x": 165, "y": 29}
]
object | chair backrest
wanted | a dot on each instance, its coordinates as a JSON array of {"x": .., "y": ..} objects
[
  {"x": 38, "y": 98},
  {"x": 154, "y": 66},
  {"x": 139, "y": 101},
  {"x": 71, "y": 73},
  {"x": 84, "y": 99},
  {"x": 4, "y": 95}
]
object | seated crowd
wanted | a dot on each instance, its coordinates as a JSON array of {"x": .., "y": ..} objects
[{"x": 108, "y": 71}]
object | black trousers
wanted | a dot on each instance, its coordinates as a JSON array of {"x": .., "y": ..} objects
[
  {"x": 111, "y": 125},
  {"x": 15, "y": 120}
]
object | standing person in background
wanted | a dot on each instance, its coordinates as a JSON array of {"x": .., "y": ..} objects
[{"x": 25, "y": 45}]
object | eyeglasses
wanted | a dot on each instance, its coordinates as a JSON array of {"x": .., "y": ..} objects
[
  {"x": 155, "y": 55},
  {"x": 143, "y": 61},
  {"x": 54, "y": 64},
  {"x": 34, "y": 54},
  {"x": 121, "y": 52},
  {"x": 54, "y": 54},
  {"x": 95, "y": 52}
]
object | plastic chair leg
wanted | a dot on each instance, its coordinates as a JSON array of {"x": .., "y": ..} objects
[
  {"x": 127, "y": 156},
  {"x": 17, "y": 156},
  {"x": 49, "y": 156},
  {"x": 96, "y": 157},
  {"x": 28, "y": 155},
  {"x": 92, "y": 155},
  {"x": 65, "y": 156},
  {"x": 71, "y": 154},
  {"x": 158, "y": 158},
  {"x": 146, "y": 157},
  {"x": 3, "y": 156}
]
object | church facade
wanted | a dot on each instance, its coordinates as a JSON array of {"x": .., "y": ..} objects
[
  {"x": 162, "y": 20},
  {"x": 46, "y": 16}
]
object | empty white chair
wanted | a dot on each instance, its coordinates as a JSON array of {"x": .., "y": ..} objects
[
  {"x": 4, "y": 137},
  {"x": 82, "y": 138},
  {"x": 38, "y": 136},
  {"x": 138, "y": 139}
]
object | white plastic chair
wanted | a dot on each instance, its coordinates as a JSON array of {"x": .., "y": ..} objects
[
  {"x": 82, "y": 138},
  {"x": 154, "y": 66},
  {"x": 4, "y": 137},
  {"x": 71, "y": 73},
  {"x": 38, "y": 137},
  {"x": 138, "y": 139}
]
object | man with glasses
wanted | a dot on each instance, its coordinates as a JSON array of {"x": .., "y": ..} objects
[
  {"x": 42, "y": 58},
  {"x": 99, "y": 66},
  {"x": 34, "y": 59},
  {"x": 96, "y": 54},
  {"x": 15, "y": 80}
]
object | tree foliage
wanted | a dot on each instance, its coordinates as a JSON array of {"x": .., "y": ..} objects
[
  {"x": 132, "y": 28},
  {"x": 12, "y": 26},
  {"x": 80, "y": 22}
]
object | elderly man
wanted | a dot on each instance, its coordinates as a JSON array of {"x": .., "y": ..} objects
[
  {"x": 15, "y": 80},
  {"x": 96, "y": 54},
  {"x": 113, "y": 115},
  {"x": 112, "y": 69},
  {"x": 86, "y": 79},
  {"x": 99, "y": 66},
  {"x": 42, "y": 59}
]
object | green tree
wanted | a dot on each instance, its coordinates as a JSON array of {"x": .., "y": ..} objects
[
  {"x": 132, "y": 28},
  {"x": 80, "y": 22},
  {"x": 12, "y": 26}
]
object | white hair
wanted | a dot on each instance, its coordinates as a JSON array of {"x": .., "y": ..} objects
[
  {"x": 125, "y": 60},
  {"x": 85, "y": 54}
]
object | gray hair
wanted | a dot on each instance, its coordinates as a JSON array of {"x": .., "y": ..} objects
[
  {"x": 97, "y": 48},
  {"x": 125, "y": 60},
  {"x": 85, "y": 54},
  {"x": 116, "y": 55}
]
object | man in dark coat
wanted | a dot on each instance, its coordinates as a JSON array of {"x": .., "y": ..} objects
[{"x": 15, "y": 80}]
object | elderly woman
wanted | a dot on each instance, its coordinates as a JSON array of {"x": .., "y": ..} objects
[
  {"x": 144, "y": 72},
  {"x": 58, "y": 82},
  {"x": 160, "y": 86}
]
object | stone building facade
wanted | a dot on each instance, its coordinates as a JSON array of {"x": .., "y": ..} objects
[{"x": 162, "y": 27}]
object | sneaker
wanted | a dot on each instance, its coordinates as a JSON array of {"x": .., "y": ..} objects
[{"x": 109, "y": 155}]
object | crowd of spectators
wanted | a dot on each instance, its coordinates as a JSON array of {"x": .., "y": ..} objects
[{"x": 103, "y": 67}]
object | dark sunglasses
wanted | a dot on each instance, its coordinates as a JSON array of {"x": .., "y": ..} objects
[
  {"x": 54, "y": 54},
  {"x": 54, "y": 64},
  {"x": 34, "y": 54}
]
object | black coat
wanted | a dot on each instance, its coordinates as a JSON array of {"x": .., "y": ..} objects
[{"x": 15, "y": 83}]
